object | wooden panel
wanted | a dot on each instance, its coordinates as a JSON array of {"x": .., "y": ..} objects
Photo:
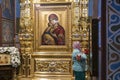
[
  {"x": 103, "y": 40},
  {"x": 95, "y": 47},
  {"x": 6, "y": 72}
]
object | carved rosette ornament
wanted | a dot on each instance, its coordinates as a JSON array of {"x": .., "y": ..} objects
[{"x": 26, "y": 37}]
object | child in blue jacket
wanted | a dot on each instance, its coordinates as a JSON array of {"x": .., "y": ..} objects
[{"x": 79, "y": 61}]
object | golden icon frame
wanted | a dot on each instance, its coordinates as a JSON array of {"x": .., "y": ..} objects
[{"x": 41, "y": 12}]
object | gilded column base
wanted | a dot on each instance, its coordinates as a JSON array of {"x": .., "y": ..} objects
[
  {"x": 48, "y": 78},
  {"x": 54, "y": 78},
  {"x": 52, "y": 67}
]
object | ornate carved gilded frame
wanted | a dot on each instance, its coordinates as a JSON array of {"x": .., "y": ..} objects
[{"x": 41, "y": 12}]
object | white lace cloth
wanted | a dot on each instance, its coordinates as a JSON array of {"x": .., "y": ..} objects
[{"x": 14, "y": 55}]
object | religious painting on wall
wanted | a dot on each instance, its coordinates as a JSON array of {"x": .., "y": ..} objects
[
  {"x": 7, "y": 31},
  {"x": 54, "y": 34},
  {"x": 52, "y": 26},
  {"x": 7, "y": 9}
]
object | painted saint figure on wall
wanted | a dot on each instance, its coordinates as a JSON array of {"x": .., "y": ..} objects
[
  {"x": 7, "y": 10},
  {"x": 54, "y": 34},
  {"x": 7, "y": 32}
]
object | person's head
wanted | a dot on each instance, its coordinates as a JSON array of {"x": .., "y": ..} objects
[
  {"x": 76, "y": 45},
  {"x": 53, "y": 19}
]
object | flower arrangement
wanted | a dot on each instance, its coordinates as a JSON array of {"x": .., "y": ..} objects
[{"x": 14, "y": 55}]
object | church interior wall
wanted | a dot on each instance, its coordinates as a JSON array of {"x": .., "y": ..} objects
[{"x": 111, "y": 37}]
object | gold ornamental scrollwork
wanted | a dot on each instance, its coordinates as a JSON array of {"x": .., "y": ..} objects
[
  {"x": 26, "y": 37},
  {"x": 53, "y": 66}
]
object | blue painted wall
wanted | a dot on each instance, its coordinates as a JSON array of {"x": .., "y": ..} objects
[
  {"x": 90, "y": 7},
  {"x": 18, "y": 8},
  {"x": 113, "y": 39}
]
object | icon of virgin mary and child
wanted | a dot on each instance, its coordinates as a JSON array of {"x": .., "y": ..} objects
[{"x": 54, "y": 34}]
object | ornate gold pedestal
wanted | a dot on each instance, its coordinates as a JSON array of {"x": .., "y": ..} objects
[{"x": 52, "y": 66}]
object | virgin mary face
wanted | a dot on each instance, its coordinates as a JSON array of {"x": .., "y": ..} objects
[{"x": 53, "y": 22}]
